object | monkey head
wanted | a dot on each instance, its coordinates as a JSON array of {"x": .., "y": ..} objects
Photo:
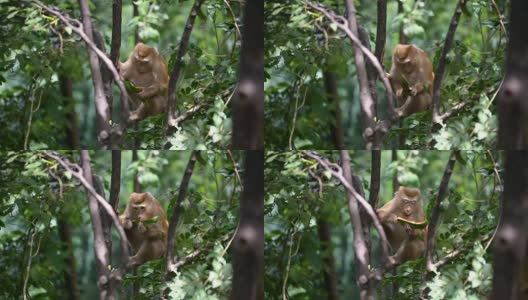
[
  {"x": 143, "y": 56},
  {"x": 410, "y": 203},
  {"x": 403, "y": 57},
  {"x": 140, "y": 206}
]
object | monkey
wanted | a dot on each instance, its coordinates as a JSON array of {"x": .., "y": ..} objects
[
  {"x": 148, "y": 241},
  {"x": 395, "y": 216},
  {"x": 147, "y": 70},
  {"x": 411, "y": 77}
]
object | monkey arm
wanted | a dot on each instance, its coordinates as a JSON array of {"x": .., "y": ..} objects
[{"x": 385, "y": 215}]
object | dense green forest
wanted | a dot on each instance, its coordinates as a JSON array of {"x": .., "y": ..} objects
[
  {"x": 63, "y": 87},
  {"x": 314, "y": 98},
  {"x": 251, "y": 150},
  {"x": 48, "y": 230},
  {"x": 310, "y": 248}
]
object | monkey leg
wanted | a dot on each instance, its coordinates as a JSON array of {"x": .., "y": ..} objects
[
  {"x": 411, "y": 248},
  {"x": 150, "y": 249},
  {"x": 138, "y": 114},
  {"x": 415, "y": 104}
]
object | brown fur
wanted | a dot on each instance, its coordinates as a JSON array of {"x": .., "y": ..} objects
[
  {"x": 147, "y": 70},
  {"x": 411, "y": 65},
  {"x": 148, "y": 242},
  {"x": 407, "y": 243}
]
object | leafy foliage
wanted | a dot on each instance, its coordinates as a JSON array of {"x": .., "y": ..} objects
[
  {"x": 38, "y": 50},
  {"x": 296, "y": 204},
  {"x": 303, "y": 49},
  {"x": 40, "y": 195}
]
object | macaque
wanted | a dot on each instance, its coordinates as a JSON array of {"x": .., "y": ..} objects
[
  {"x": 396, "y": 217},
  {"x": 147, "y": 71},
  {"x": 412, "y": 78},
  {"x": 146, "y": 227}
]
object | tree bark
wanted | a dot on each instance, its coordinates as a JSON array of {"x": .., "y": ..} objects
[
  {"x": 513, "y": 95},
  {"x": 248, "y": 103},
  {"x": 248, "y": 245},
  {"x": 330, "y": 277},
  {"x": 510, "y": 243},
  {"x": 70, "y": 274},
  {"x": 72, "y": 128}
]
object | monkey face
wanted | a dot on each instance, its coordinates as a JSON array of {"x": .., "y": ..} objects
[
  {"x": 402, "y": 57},
  {"x": 143, "y": 53},
  {"x": 138, "y": 212},
  {"x": 408, "y": 206}
]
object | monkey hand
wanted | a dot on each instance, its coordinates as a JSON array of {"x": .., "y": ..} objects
[
  {"x": 149, "y": 92},
  {"x": 416, "y": 89},
  {"x": 125, "y": 222},
  {"x": 140, "y": 227}
]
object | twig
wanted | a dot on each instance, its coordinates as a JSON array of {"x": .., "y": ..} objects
[
  {"x": 439, "y": 72},
  {"x": 178, "y": 65},
  {"x": 337, "y": 172},
  {"x": 435, "y": 214},
  {"x": 171, "y": 236},
  {"x": 233, "y": 16},
  {"x": 342, "y": 24},
  {"x": 294, "y": 119},
  {"x": 77, "y": 27},
  {"x": 76, "y": 171},
  {"x": 31, "y": 112},
  {"x": 501, "y": 21}
]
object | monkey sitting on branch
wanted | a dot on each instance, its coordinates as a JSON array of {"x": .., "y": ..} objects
[
  {"x": 148, "y": 79},
  {"x": 404, "y": 222},
  {"x": 411, "y": 77},
  {"x": 146, "y": 227}
]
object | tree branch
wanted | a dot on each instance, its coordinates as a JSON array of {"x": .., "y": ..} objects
[
  {"x": 439, "y": 72},
  {"x": 374, "y": 132},
  {"x": 76, "y": 171},
  {"x": 435, "y": 214},
  {"x": 177, "y": 68},
  {"x": 171, "y": 236},
  {"x": 337, "y": 172}
]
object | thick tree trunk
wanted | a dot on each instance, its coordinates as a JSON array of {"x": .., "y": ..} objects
[
  {"x": 248, "y": 103},
  {"x": 513, "y": 96},
  {"x": 248, "y": 245},
  {"x": 330, "y": 276},
  {"x": 511, "y": 239}
]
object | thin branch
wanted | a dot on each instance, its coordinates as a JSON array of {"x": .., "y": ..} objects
[
  {"x": 375, "y": 178},
  {"x": 501, "y": 21},
  {"x": 171, "y": 236},
  {"x": 76, "y": 171},
  {"x": 435, "y": 214},
  {"x": 337, "y": 172},
  {"x": 453, "y": 110},
  {"x": 178, "y": 65},
  {"x": 77, "y": 27},
  {"x": 439, "y": 72},
  {"x": 372, "y": 132},
  {"x": 381, "y": 30}
]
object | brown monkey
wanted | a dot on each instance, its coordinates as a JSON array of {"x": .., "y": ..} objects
[
  {"x": 395, "y": 216},
  {"x": 411, "y": 76},
  {"x": 147, "y": 70},
  {"x": 146, "y": 227}
]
